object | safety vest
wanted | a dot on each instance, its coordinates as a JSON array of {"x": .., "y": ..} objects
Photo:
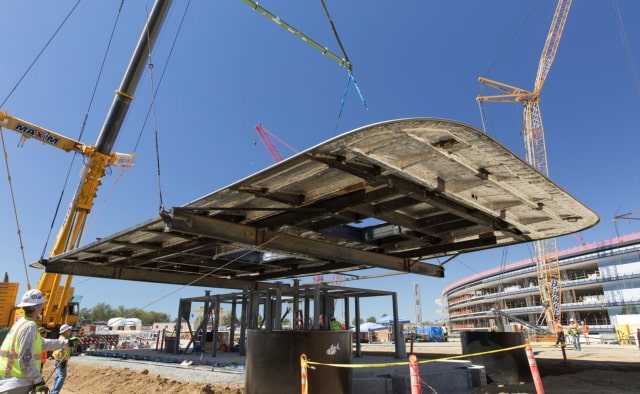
[
  {"x": 574, "y": 329},
  {"x": 335, "y": 325},
  {"x": 558, "y": 327},
  {"x": 10, "y": 350},
  {"x": 62, "y": 354}
]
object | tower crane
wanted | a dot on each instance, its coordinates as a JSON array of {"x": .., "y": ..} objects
[{"x": 546, "y": 251}]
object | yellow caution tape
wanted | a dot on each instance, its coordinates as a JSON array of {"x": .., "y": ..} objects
[{"x": 400, "y": 363}]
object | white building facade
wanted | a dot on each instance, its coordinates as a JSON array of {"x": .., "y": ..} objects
[{"x": 600, "y": 286}]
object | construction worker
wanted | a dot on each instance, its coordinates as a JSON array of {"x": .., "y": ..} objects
[
  {"x": 585, "y": 331},
  {"x": 559, "y": 333},
  {"x": 21, "y": 349},
  {"x": 574, "y": 332},
  {"x": 335, "y": 324},
  {"x": 62, "y": 357}
]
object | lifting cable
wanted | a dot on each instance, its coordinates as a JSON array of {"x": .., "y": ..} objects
[
  {"x": 350, "y": 78},
  {"x": 151, "y": 111},
  {"x": 6, "y": 156},
  {"x": 636, "y": 80},
  {"x": 343, "y": 62},
  {"x": 335, "y": 33},
  {"x": 350, "y": 69},
  {"x": 46, "y": 45},
  {"x": 15, "y": 208},
  {"x": 487, "y": 127},
  {"x": 152, "y": 108},
  {"x": 627, "y": 48}
]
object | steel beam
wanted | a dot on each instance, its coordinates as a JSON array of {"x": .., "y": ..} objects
[{"x": 184, "y": 221}]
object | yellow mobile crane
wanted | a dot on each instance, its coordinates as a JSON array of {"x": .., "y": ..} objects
[
  {"x": 60, "y": 309},
  {"x": 546, "y": 251}
]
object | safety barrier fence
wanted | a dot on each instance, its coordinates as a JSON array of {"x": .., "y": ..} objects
[{"x": 413, "y": 363}]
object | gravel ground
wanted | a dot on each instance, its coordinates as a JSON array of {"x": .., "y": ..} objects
[
  {"x": 187, "y": 373},
  {"x": 598, "y": 368}
]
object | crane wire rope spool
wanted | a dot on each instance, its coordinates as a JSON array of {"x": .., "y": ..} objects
[{"x": 547, "y": 262}]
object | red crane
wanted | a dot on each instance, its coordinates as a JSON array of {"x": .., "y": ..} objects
[{"x": 264, "y": 136}]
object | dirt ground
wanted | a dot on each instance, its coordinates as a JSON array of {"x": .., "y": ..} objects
[
  {"x": 90, "y": 379},
  {"x": 613, "y": 370}
]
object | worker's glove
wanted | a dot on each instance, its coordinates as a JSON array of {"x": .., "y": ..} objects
[
  {"x": 73, "y": 342},
  {"x": 40, "y": 387}
]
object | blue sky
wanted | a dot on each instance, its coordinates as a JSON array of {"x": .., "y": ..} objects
[{"x": 231, "y": 68}]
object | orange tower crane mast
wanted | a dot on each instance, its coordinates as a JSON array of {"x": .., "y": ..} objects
[{"x": 546, "y": 251}]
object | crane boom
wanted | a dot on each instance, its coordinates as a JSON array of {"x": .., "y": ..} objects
[
  {"x": 60, "y": 309},
  {"x": 70, "y": 234},
  {"x": 262, "y": 132},
  {"x": 546, "y": 251},
  {"x": 551, "y": 44}
]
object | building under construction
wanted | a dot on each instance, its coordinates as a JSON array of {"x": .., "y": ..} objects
[{"x": 599, "y": 287}]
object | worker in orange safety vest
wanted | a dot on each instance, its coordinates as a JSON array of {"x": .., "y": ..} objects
[{"x": 585, "y": 331}]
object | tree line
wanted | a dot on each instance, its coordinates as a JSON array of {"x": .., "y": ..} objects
[{"x": 103, "y": 312}]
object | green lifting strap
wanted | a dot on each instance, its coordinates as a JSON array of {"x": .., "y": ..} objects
[{"x": 343, "y": 62}]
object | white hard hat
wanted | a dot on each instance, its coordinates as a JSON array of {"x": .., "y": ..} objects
[
  {"x": 32, "y": 297},
  {"x": 65, "y": 327},
  {"x": 571, "y": 319}
]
